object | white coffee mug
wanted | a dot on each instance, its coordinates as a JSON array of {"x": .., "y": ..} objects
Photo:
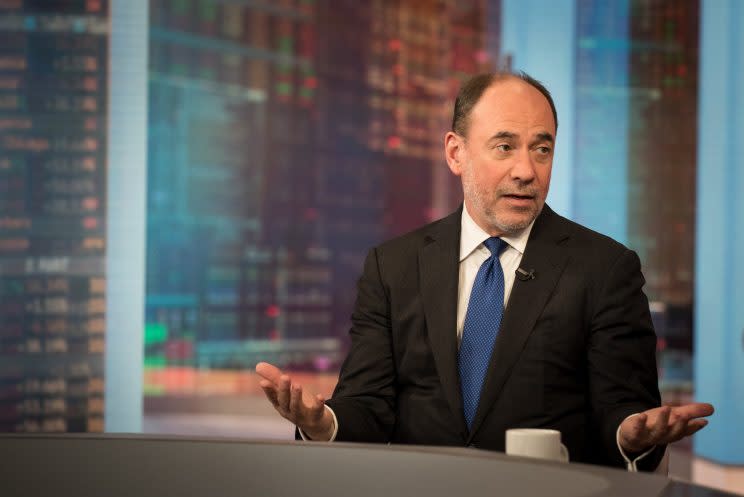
[{"x": 535, "y": 442}]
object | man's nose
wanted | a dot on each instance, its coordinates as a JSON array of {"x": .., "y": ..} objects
[{"x": 523, "y": 169}]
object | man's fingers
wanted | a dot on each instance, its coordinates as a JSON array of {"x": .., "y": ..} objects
[
  {"x": 695, "y": 410},
  {"x": 269, "y": 371},
  {"x": 694, "y": 426},
  {"x": 291, "y": 401},
  {"x": 282, "y": 394},
  {"x": 296, "y": 407},
  {"x": 661, "y": 425},
  {"x": 685, "y": 420},
  {"x": 677, "y": 428},
  {"x": 685, "y": 430}
]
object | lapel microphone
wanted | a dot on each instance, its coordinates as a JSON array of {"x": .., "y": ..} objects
[{"x": 523, "y": 275}]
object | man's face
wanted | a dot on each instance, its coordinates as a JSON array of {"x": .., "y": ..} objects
[{"x": 506, "y": 158}]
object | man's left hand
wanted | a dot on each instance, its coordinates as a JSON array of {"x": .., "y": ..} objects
[{"x": 662, "y": 425}]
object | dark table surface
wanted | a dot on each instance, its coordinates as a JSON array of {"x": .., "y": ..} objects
[{"x": 144, "y": 466}]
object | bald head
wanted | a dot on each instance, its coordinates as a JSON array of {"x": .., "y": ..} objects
[{"x": 472, "y": 90}]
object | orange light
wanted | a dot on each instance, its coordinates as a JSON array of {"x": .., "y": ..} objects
[{"x": 90, "y": 203}]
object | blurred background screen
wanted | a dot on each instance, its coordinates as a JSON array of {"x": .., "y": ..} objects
[{"x": 53, "y": 141}]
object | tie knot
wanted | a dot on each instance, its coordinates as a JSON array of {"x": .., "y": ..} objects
[{"x": 495, "y": 245}]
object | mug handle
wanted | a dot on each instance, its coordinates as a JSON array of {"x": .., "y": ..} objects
[{"x": 564, "y": 453}]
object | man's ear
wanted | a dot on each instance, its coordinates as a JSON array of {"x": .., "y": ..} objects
[{"x": 454, "y": 152}]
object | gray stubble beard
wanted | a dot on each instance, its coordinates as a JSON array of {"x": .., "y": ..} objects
[{"x": 478, "y": 200}]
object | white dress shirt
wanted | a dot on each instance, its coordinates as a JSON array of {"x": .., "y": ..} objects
[{"x": 472, "y": 254}]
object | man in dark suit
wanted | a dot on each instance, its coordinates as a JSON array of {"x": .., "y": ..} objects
[{"x": 502, "y": 315}]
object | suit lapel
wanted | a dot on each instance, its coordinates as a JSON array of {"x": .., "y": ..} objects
[
  {"x": 543, "y": 254},
  {"x": 439, "y": 274}
]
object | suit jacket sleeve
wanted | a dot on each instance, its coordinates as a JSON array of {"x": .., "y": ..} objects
[
  {"x": 622, "y": 356},
  {"x": 364, "y": 399}
]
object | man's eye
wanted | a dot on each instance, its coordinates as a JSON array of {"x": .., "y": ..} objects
[
  {"x": 543, "y": 150},
  {"x": 503, "y": 147}
]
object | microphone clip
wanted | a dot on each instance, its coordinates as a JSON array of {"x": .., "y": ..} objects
[{"x": 523, "y": 275}]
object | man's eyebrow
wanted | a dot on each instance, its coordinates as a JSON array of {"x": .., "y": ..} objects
[
  {"x": 503, "y": 134},
  {"x": 544, "y": 137}
]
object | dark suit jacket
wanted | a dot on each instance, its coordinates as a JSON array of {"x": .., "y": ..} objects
[{"x": 575, "y": 351}]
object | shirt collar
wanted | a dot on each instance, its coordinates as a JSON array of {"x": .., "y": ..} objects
[{"x": 472, "y": 236}]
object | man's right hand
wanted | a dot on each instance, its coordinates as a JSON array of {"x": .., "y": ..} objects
[{"x": 305, "y": 410}]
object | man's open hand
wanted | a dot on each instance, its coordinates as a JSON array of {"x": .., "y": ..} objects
[
  {"x": 662, "y": 425},
  {"x": 305, "y": 410}
]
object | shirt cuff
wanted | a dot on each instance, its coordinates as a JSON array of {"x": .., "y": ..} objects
[
  {"x": 630, "y": 465},
  {"x": 335, "y": 429}
]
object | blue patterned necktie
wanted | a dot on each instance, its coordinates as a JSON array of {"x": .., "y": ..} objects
[{"x": 482, "y": 322}]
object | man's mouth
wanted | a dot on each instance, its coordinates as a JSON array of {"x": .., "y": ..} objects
[{"x": 519, "y": 196}]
